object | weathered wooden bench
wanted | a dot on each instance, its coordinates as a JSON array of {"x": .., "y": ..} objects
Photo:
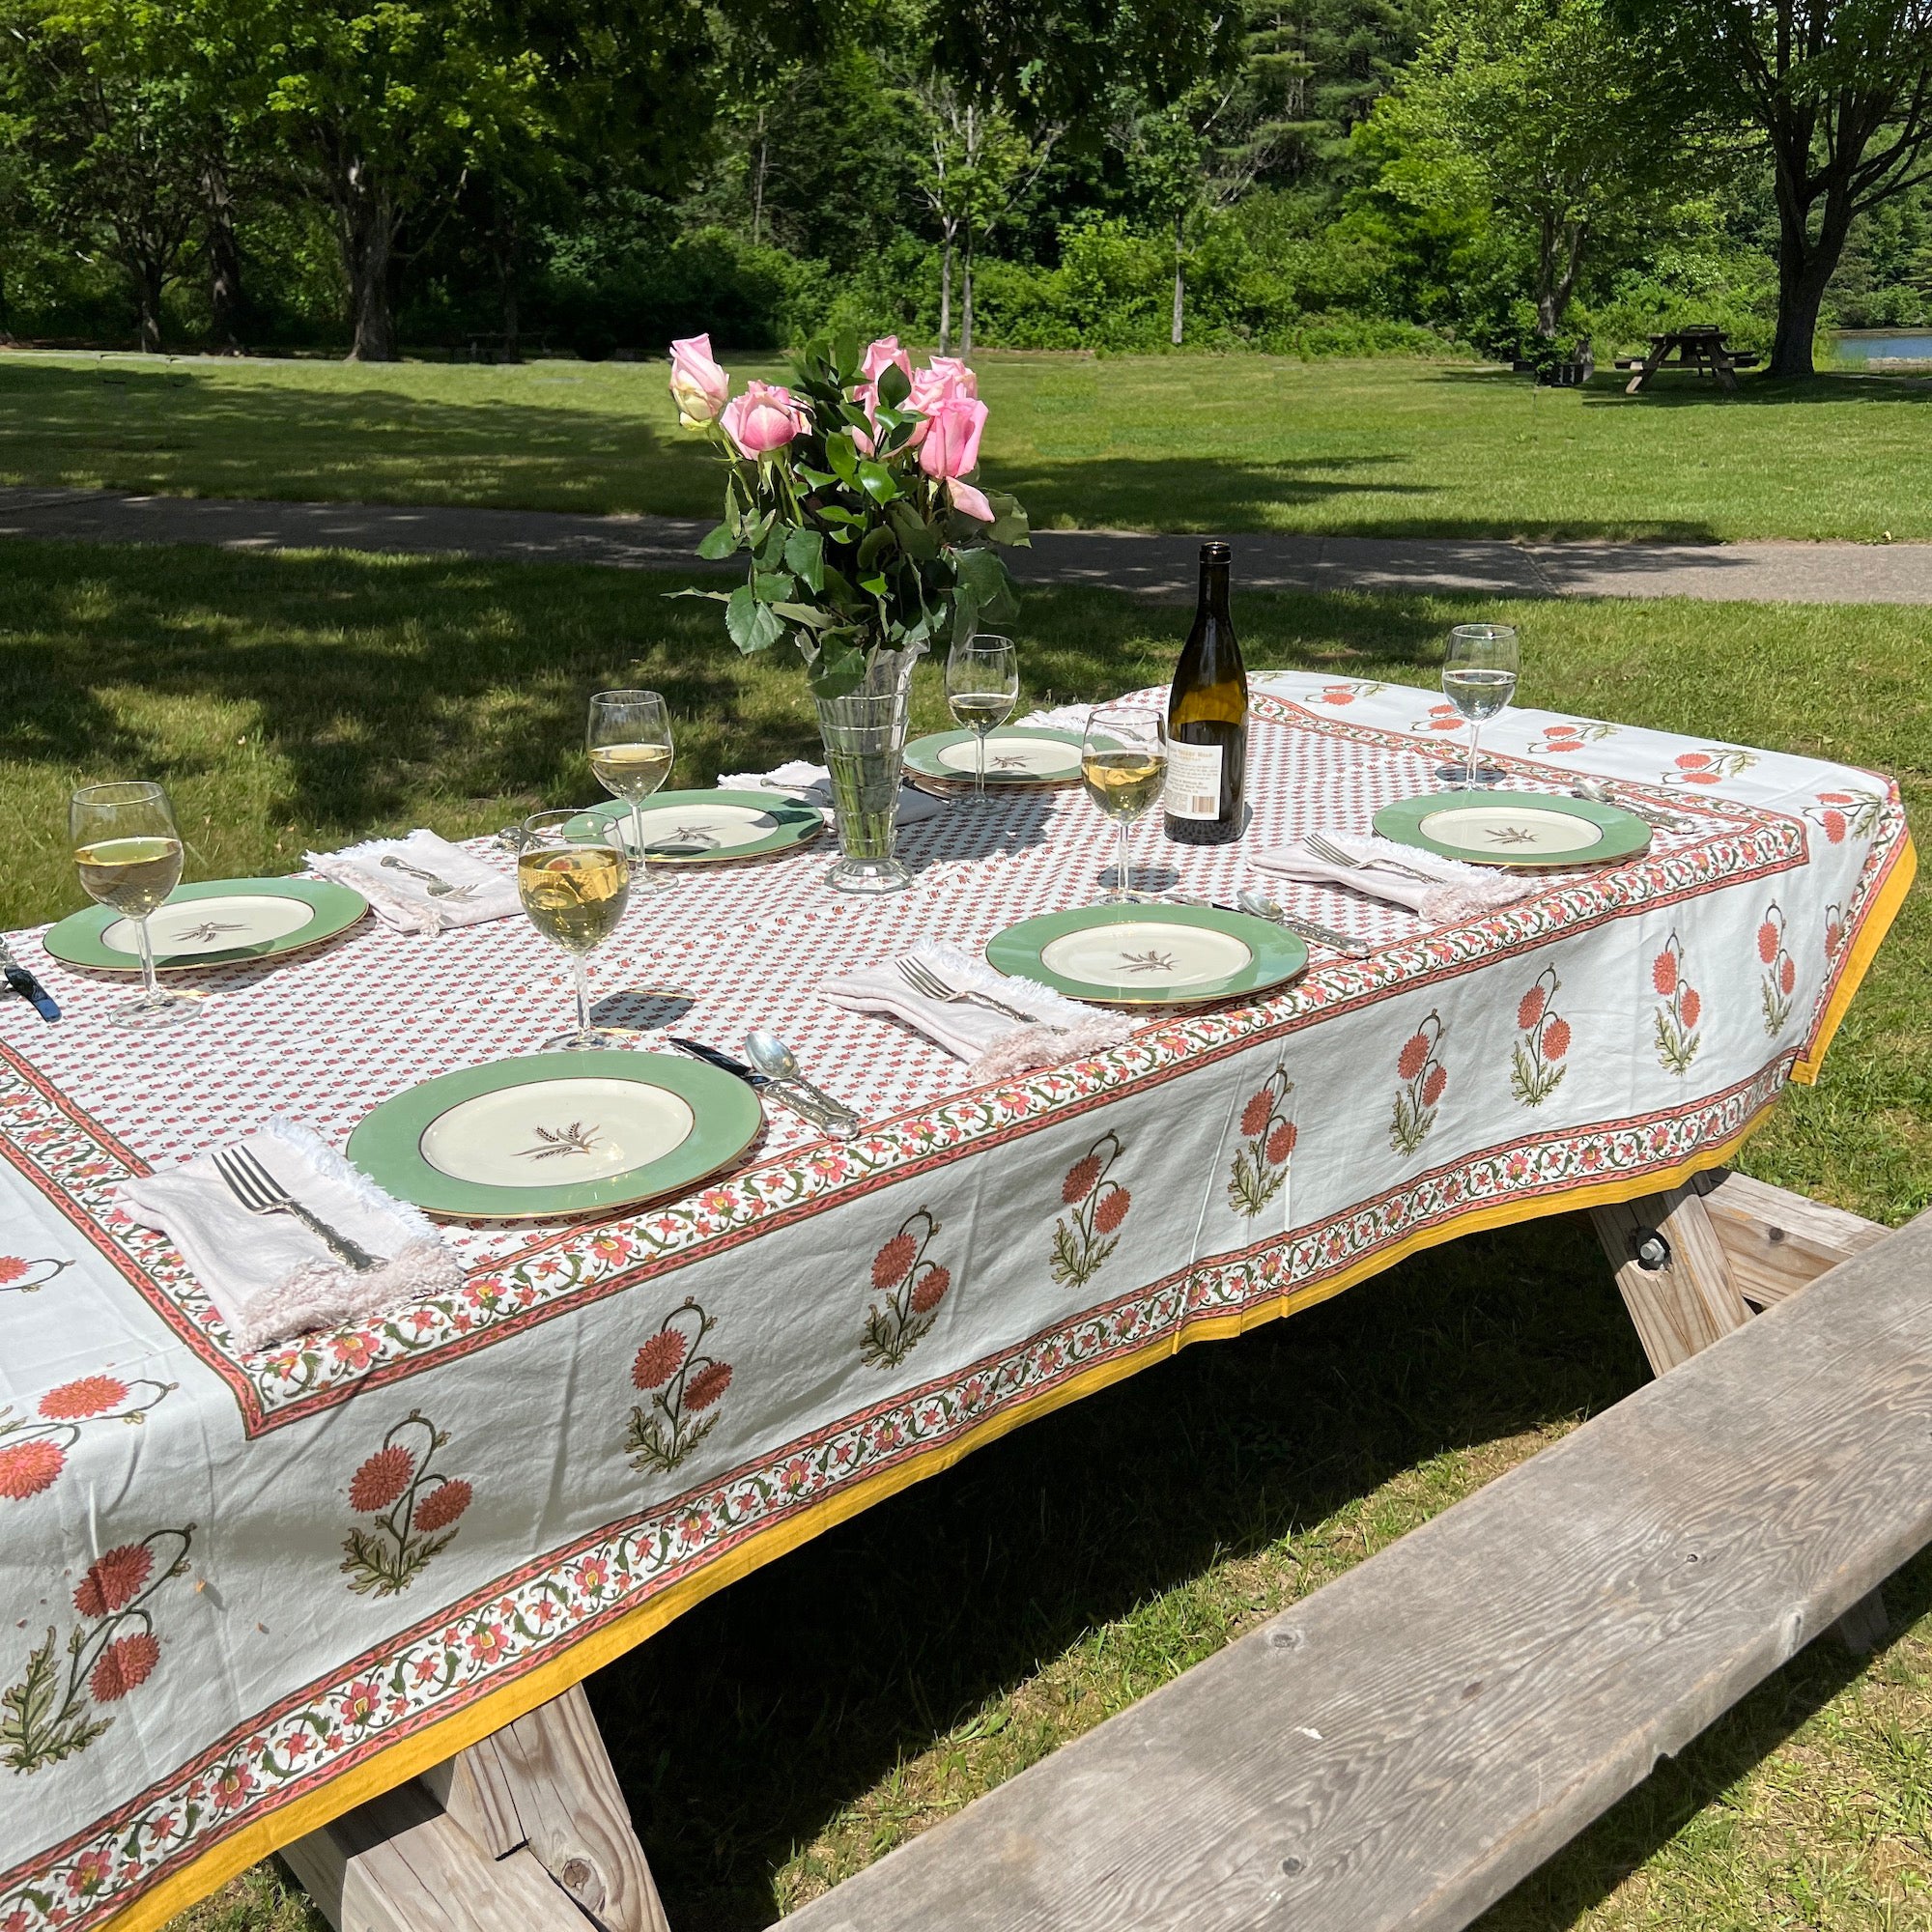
[{"x": 1407, "y": 1742}]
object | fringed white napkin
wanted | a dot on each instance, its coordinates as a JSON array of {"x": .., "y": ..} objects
[
  {"x": 1057, "y": 718},
  {"x": 994, "y": 1044},
  {"x": 1450, "y": 893},
  {"x": 270, "y": 1277},
  {"x": 812, "y": 785},
  {"x": 410, "y": 903}
]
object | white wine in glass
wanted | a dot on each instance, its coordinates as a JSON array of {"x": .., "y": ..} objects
[
  {"x": 574, "y": 878},
  {"x": 128, "y": 854},
  {"x": 982, "y": 685},
  {"x": 1123, "y": 767},
  {"x": 630, "y": 745},
  {"x": 1479, "y": 671}
]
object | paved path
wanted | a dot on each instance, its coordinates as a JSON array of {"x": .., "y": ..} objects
[{"x": 1160, "y": 567}]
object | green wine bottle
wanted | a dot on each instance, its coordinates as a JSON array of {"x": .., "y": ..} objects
[{"x": 1207, "y": 719}]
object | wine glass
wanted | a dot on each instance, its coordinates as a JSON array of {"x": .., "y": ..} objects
[
  {"x": 574, "y": 878},
  {"x": 982, "y": 685},
  {"x": 630, "y": 748},
  {"x": 128, "y": 854},
  {"x": 1479, "y": 679},
  {"x": 1124, "y": 766}
]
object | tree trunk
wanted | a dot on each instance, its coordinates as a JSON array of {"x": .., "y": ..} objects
[
  {"x": 758, "y": 167},
  {"x": 368, "y": 224},
  {"x": 505, "y": 240},
  {"x": 946, "y": 290},
  {"x": 1179, "y": 286},
  {"x": 1804, "y": 269},
  {"x": 966, "y": 296},
  {"x": 149, "y": 279},
  {"x": 224, "y": 258}
]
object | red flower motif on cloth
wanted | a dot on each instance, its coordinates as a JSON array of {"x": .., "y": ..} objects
[
  {"x": 1080, "y": 1179},
  {"x": 414, "y": 1506},
  {"x": 1675, "y": 1021},
  {"x": 909, "y": 1290},
  {"x": 75, "y": 1401},
  {"x": 1441, "y": 718},
  {"x": 53, "y": 1709},
  {"x": 362, "y": 1701},
  {"x": 1569, "y": 735},
  {"x": 659, "y": 1359},
  {"x": 1257, "y": 1113},
  {"x": 1542, "y": 1039},
  {"x": 1834, "y": 932},
  {"x": 1083, "y": 1239},
  {"x": 123, "y": 1667},
  {"x": 26, "y": 1468},
  {"x": 229, "y": 1785},
  {"x": 1260, "y": 1170},
  {"x": 380, "y": 1479},
  {"x": 90, "y": 1871},
  {"x": 681, "y": 1382},
  {"x": 113, "y": 1580},
  {"x": 487, "y": 1644},
  {"x": 1778, "y": 983},
  {"x": 1424, "y": 1080},
  {"x": 1709, "y": 767},
  {"x": 1846, "y": 814},
  {"x": 441, "y": 1506}
]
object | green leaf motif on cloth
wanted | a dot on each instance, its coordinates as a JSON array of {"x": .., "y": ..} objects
[
  {"x": 681, "y": 1385},
  {"x": 53, "y": 1709},
  {"x": 415, "y": 1507},
  {"x": 910, "y": 1288},
  {"x": 1084, "y": 1237}
]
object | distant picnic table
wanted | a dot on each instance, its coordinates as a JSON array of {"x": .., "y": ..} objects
[{"x": 1701, "y": 348}]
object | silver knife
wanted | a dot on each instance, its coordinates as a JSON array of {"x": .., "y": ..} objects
[
  {"x": 1308, "y": 928},
  {"x": 840, "y": 1122},
  {"x": 26, "y": 986}
]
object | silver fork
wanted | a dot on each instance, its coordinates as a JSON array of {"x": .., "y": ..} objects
[
  {"x": 439, "y": 889},
  {"x": 927, "y": 983},
  {"x": 261, "y": 1193},
  {"x": 1327, "y": 848}
]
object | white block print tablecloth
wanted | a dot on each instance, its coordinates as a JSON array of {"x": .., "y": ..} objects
[{"x": 243, "y": 1591}]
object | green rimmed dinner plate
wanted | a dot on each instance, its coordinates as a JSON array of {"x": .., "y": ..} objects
[
  {"x": 1026, "y": 755},
  {"x": 714, "y": 828},
  {"x": 213, "y": 922},
  {"x": 556, "y": 1134},
  {"x": 1149, "y": 955},
  {"x": 1523, "y": 830}
]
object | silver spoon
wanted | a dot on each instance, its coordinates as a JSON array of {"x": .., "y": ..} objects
[
  {"x": 439, "y": 889},
  {"x": 1599, "y": 793},
  {"x": 1258, "y": 906},
  {"x": 775, "y": 1060}
]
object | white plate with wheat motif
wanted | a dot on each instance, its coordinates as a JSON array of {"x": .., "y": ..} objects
[
  {"x": 1022, "y": 754},
  {"x": 1149, "y": 955},
  {"x": 556, "y": 1134},
  {"x": 214, "y": 922},
  {"x": 714, "y": 828},
  {"x": 1502, "y": 828}
]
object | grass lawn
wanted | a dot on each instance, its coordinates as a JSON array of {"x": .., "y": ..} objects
[
  {"x": 1196, "y": 442},
  {"x": 806, "y": 1720}
]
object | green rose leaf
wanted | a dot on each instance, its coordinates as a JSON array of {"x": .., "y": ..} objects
[
  {"x": 805, "y": 554},
  {"x": 836, "y": 670},
  {"x": 773, "y": 587},
  {"x": 716, "y": 596},
  {"x": 720, "y": 540},
  {"x": 878, "y": 540},
  {"x": 893, "y": 385},
  {"x": 876, "y": 480},
  {"x": 1010, "y": 522},
  {"x": 751, "y": 624},
  {"x": 804, "y": 613},
  {"x": 843, "y": 455}
]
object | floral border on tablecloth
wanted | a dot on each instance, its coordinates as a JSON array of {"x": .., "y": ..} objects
[
  {"x": 501, "y": 1632},
  {"x": 74, "y": 1164}
]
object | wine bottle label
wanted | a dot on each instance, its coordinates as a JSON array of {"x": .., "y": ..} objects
[{"x": 1193, "y": 780}]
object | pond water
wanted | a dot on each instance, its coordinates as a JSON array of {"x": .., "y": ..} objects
[{"x": 1884, "y": 345}]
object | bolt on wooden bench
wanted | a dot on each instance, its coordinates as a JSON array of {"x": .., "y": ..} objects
[{"x": 1406, "y": 1743}]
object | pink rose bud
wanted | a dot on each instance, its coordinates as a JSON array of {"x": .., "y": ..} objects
[
  {"x": 973, "y": 503},
  {"x": 699, "y": 386},
  {"x": 951, "y": 447},
  {"x": 764, "y": 419},
  {"x": 880, "y": 356}
]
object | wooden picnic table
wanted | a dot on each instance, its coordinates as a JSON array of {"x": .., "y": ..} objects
[
  {"x": 1701, "y": 347},
  {"x": 203, "y": 1659}
]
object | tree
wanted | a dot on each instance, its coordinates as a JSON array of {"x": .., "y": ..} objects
[
  {"x": 1569, "y": 129},
  {"x": 105, "y": 120},
  {"x": 1841, "y": 90}
]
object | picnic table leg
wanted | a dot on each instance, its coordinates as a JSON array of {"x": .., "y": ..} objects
[
  {"x": 532, "y": 1816},
  {"x": 1669, "y": 1253},
  {"x": 1651, "y": 363}
]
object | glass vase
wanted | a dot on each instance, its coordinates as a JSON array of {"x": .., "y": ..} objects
[{"x": 865, "y": 735}]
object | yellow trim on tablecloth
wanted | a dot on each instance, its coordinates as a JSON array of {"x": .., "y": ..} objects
[
  {"x": 1870, "y": 936},
  {"x": 492, "y": 1711}
]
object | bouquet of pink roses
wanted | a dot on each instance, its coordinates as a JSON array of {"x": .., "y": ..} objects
[{"x": 851, "y": 493}]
